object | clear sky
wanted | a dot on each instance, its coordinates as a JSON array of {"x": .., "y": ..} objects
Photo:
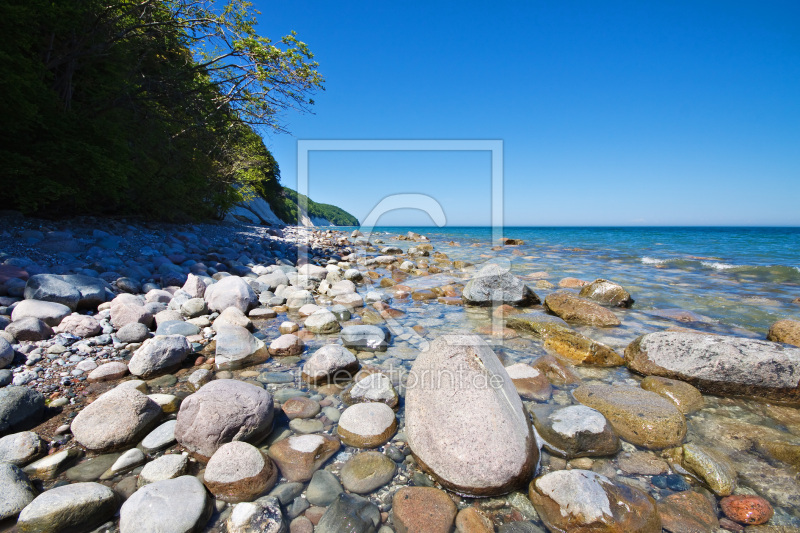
[{"x": 610, "y": 113}]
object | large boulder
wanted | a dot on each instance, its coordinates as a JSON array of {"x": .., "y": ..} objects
[
  {"x": 73, "y": 507},
  {"x": 128, "y": 309},
  {"x": 159, "y": 354},
  {"x": 495, "y": 285},
  {"x": 223, "y": 410},
  {"x": 21, "y": 448},
  {"x": 230, "y": 291},
  {"x": 92, "y": 290},
  {"x": 721, "y": 365},
  {"x": 115, "y": 419},
  {"x": 52, "y": 288},
  {"x": 607, "y": 293},
  {"x": 236, "y": 348},
  {"x": 641, "y": 417},
  {"x": 20, "y": 408},
  {"x": 51, "y": 313},
  {"x": 465, "y": 422},
  {"x": 29, "y": 329},
  {"x": 582, "y": 501},
  {"x": 180, "y": 505},
  {"x": 571, "y": 308}
]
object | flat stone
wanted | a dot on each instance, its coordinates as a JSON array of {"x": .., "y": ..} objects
[
  {"x": 172, "y": 506},
  {"x": 167, "y": 466},
  {"x": 423, "y": 509},
  {"x": 323, "y": 322},
  {"x": 712, "y": 467},
  {"x": 160, "y": 438},
  {"x": 73, "y": 507},
  {"x": 642, "y": 463},
  {"x": 581, "y": 500},
  {"x": 115, "y": 419},
  {"x": 51, "y": 313},
  {"x": 91, "y": 469},
  {"x": 720, "y": 365},
  {"x": 688, "y": 512},
  {"x": 367, "y": 425},
  {"x": 531, "y": 384},
  {"x": 298, "y": 457},
  {"x": 573, "y": 308},
  {"x": 300, "y": 407},
  {"x": 489, "y": 448},
  {"x": 125, "y": 462},
  {"x": 231, "y": 316},
  {"x": 50, "y": 466},
  {"x": 222, "y": 411},
  {"x": 177, "y": 327},
  {"x": 238, "y": 472},
  {"x": 641, "y": 417},
  {"x": 366, "y": 472},
  {"x": 305, "y": 427},
  {"x": 81, "y": 325}
]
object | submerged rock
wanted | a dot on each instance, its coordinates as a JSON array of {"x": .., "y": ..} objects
[
  {"x": 239, "y": 472},
  {"x": 581, "y": 501},
  {"x": 300, "y": 456},
  {"x": 573, "y": 308},
  {"x": 607, "y": 293},
  {"x": 487, "y": 449},
  {"x": 495, "y": 285},
  {"x": 641, "y": 417},
  {"x": 350, "y": 513},
  {"x": 721, "y": 365},
  {"x": 575, "y": 431},
  {"x": 423, "y": 509}
]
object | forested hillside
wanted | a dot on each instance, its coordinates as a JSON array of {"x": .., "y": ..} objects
[
  {"x": 286, "y": 207},
  {"x": 150, "y": 107}
]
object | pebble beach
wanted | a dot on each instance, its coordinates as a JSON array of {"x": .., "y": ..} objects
[{"x": 241, "y": 378}]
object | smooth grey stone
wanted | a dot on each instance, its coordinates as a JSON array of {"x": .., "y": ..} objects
[
  {"x": 160, "y": 438},
  {"x": 29, "y": 329},
  {"x": 127, "y": 461},
  {"x": 20, "y": 408},
  {"x": 5, "y": 377},
  {"x": 17, "y": 491},
  {"x": 177, "y": 505},
  {"x": 298, "y": 507},
  {"x": 159, "y": 354},
  {"x": 52, "y": 288},
  {"x": 341, "y": 312},
  {"x": 286, "y": 492},
  {"x": 21, "y": 448},
  {"x": 281, "y": 395},
  {"x": 72, "y": 507},
  {"x": 177, "y": 327},
  {"x": 495, "y": 285},
  {"x": 167, "y": 466},
  {"x": 323, "y": 488},
  {"x": 276, "y": 377},
  {"x": 133, "y": 332},
  {"x": 520, "y": 527}
]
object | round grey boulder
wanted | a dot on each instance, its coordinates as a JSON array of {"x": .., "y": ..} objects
[
  {"x": 159, "y": 354},
  {"x": 133, "y": 332},
  {"x": 17, "y": 491},
  {"x": 332, "y": 362},
  {"x": 21, "y": 448},
  {"x": 116, "y": 418},
  {"x": 495, "y": 285},
  {"x": 222, "y": 411},
  {"x": 322, "y": 321},
  {"x": 73, "y": 507},
  {"x": 179, "y": 505},
  {"x": 52, "y": 288},
  {"x": 29, "y": 329},
  {"x": 51, "y": 313},
  {"x": 20, "y": 408},
  {"x": 369, "y": 338},
  {"x": 230, "y": 291},
  {"x": 236, "y": 347},
  {"x": 6, "y": 353}
]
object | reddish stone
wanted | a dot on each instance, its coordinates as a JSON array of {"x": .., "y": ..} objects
[
  {"x": 423, "y": 510},
  {"x": 449, "y": 300},
  {"x": 687, "y": 512},
  {"x": 199, "y": 361},
  {"x": 750, "y": 510},
  {"x": 572, "y": 283}
]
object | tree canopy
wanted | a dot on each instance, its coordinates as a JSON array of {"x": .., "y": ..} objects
[{"x": 143, "y": 106}]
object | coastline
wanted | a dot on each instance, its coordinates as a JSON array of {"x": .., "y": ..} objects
[{"x": 416, "y": 302}]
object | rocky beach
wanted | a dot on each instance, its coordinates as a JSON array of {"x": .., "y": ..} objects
[{"x": 243, "y": 378}]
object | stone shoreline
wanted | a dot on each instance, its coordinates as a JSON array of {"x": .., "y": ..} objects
[{"x": 207, "y": 366}]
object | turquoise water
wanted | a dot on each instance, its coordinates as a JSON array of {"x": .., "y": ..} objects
[{"x": 742, "y": 277}]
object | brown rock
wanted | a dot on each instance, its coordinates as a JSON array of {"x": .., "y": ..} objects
[
  {"x": 641, "y": 417},
  {"x": 239, "y": 472},
  {"x": 750, "y": 510},
  {"x": 607, "y": 293},
  {"x": 557, "y": 373},
  {"x": 687, "y": 512},
  {"x": 785, "y": 331},
  {"x": 423, "y": 510},
  {"x": 572, "y": 283},
  {"x": 530, "y": 382},
  {"x": 581, "y": 501},
  {"x": 643, "y": 463},
  {"x": 367, "y": 425},
  {"x": 579, "y": 349},
  {"x": 288, "y": 344},
  {"x": 472, "y": 520},
  {"x": 300, "y": 407},
  {"x": 300, "y": 456},
  {"x": 685, "y": 397},
  {"x": 573, "y": 308}
]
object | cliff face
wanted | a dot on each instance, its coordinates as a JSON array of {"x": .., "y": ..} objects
[{"x": 283, "y": 210}]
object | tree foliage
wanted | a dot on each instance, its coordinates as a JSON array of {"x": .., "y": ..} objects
[
  {"x": 142, "y": 106},
  {"x": 285, "y": 206}
]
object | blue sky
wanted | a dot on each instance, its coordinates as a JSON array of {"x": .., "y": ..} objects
[{"x": 610, "y": 113}]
